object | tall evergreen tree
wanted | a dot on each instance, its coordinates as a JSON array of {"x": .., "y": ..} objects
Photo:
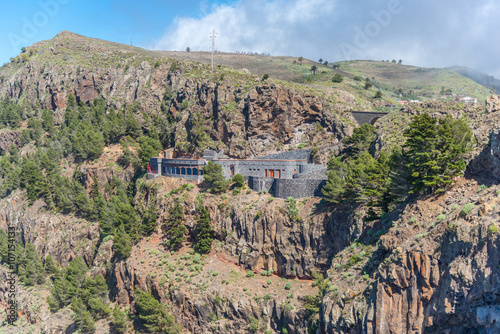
[
  {"x": 175, "y": 228},
  {"x": 204, "y": 230},
  {"x": 435, "y": 151}
]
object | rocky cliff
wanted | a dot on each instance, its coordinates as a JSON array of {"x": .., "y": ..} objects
[
  {"x": 430, "y": 266},
  {"x": 228, "y": 109}
]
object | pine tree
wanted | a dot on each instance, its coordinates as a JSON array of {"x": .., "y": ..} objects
[
  {"x": 174, "y": 226},
  {"x": 214, "y": 177},
  {"x": 122, "y": 243},
  {"x": 120, "y": 320},
  {"x": 149, "y": 219},
  {"x": 156, "y": 319},
  {"x": 203, "y": 237},
  {"x": 421, "y": 149},
  {"x": 94, "y": 188},
  {"x": 435, "y": 151}
]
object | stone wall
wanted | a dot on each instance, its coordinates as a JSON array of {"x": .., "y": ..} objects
[
  {"x": 298, "y": 188},
  {"x": 261, "y": 183},
  {"x": 310, "y": 168},
  {"x": 257, "y": 167},
  {"x": 366, "y": 117},
  {"x": 291, "y": 155}
]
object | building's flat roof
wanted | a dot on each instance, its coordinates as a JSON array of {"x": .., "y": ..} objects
[
  {"x": 229, "y": 159},
  {"x": 196, "y": 159},
  {"x": 274, "y": 160}
]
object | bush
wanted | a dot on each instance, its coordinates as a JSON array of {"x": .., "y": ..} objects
[
  {"x": 467, "y": 209},
  {"x": 250, "y": 273},
  {"x": 441, "y": 217},
  {"x": 239, "y": 180},
  {"x": 288, "y": 286},
  {"x": 337, "y": 78},
  {"x": 494, "y": 229}
]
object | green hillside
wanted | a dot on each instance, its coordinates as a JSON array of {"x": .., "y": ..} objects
[{"x": 415, "y": 82}]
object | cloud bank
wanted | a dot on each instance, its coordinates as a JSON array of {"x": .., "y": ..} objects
[{"x": 424, "y": 33}]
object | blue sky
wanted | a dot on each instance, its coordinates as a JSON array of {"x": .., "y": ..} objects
[{"x": 425, "y": 32}]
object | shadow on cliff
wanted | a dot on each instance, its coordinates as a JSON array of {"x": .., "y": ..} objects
[{"x": 485, "y": 167}]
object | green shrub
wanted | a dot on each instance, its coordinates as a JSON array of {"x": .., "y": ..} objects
[
  {"x": 441, "y": 217},
  {"x": 412, "y": 220},
  {"x": 467, "y": 209},
  {"x": 494, "y": 229},
  {"x": 337, "y": 78},
  {"x": 481, "y": 187},
  {"x": 215, "y": 273},
  {"x": 269, "y": 281},
  {"x": 454, "y": 206},
  {"x": 288, "y": 286},
  {"x": 239, "y": 180},
  {"x": 250, "y": 273},
  {"x": 263, "y": 273}
]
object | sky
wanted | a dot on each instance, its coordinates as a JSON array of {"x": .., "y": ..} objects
[{"x": 428, "y": 33}]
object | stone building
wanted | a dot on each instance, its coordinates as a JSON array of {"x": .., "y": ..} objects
[{"x": 283, "y": 175}]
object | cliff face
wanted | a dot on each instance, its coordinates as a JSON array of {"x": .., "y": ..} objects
[
  {"x": 436, "y": 270},
  {"x": 228, "y": 109},
  {"x": 425, "y": 268}
]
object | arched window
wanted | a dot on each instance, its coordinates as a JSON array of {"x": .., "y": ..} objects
[
  {"x": 195, "y": 171},
  {"x": 188, "y": 171},
  {"x": 177, "y": 170},
  {"x": 183, "y": 171}
]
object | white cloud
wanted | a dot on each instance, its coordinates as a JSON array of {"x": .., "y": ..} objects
[
  {"x": 250, "y": 26},
  {"x": 424, "y": 33}
]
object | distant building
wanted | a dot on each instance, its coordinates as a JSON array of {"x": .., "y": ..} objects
[
  {"x": 403, "y": 102},
  {"x": 283, "y": 175},
  {"x": 467, "y": 99},
  {"x": 415, "y": 101}
]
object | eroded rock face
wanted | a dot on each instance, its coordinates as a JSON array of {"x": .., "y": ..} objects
[
  {"x": 62, "y": 237},
  {"x": 493, "y": 103},
  {"x": 451, "y": 287},
  {"x": 487, "y": 163}
]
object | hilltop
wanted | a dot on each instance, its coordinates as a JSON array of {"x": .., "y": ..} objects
[{"x": 80, "y": 118}]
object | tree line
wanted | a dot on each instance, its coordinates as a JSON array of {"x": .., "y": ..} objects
[{"x": 434, "y": 152}]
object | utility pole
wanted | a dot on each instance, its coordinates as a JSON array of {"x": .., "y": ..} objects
[{"x": 213, "y": 35}]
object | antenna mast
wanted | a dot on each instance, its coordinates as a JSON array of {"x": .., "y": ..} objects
[{"x": 213, "y": 36}]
